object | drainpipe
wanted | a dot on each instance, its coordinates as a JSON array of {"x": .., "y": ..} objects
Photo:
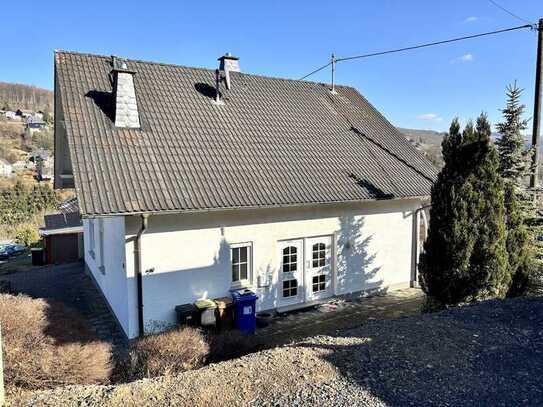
[
  {"x": 137, "y": 267},
  {"x": 417, "y": 240}
]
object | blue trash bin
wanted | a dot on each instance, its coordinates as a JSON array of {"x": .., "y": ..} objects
[{"x": 245, "y": 310}]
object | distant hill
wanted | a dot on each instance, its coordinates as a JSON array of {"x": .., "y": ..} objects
[
  {"x": 423, "y": 136},
  {"x": 428, "y": 141},
  {"x": 18, "y": 96}
]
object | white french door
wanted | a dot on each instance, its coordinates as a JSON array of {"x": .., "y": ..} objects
[
  {"x": 305, "y": 270},
  {"x": 318, "y": 268},
  {"x": 290, "y": 287}
]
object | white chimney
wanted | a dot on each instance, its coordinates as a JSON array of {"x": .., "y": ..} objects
[
  {"x": 124, "y": 95},
  {"x": 228, "y": 64}
]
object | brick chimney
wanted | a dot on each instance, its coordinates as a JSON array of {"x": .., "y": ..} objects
[{"x": 124, "y": 95}]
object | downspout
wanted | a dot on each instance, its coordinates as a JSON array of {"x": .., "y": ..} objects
[
  {"x": 137, "y": 267},
  {"x": 417, "y": 240}
]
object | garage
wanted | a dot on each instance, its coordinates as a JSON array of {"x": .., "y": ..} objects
[{"x": 62, "y": 238}]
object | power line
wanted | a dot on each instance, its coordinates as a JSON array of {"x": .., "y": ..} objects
[
  {"x": 508, "y": 11},
  {"x": 316, "y": 70},
  {"x": 430, "y": 44}
]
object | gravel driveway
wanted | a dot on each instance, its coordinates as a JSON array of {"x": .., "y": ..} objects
[{"x": 486, "y": 355}]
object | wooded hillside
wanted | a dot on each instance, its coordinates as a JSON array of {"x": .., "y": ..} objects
[{"x": 15, "y": 96}]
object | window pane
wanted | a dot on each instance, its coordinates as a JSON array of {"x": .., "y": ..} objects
[
  {"x": 293, "y": 267},
  {"x": 235, "y": 272},
  {"x": 243, "y": 271},
  {"x": 243, "y": 254},
  {"x": 235, "y": 255}
]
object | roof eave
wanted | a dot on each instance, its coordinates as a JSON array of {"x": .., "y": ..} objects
[{"x": 252, "y": 207}]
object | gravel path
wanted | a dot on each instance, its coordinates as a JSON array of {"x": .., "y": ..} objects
[{"x": 486, "y": 355}]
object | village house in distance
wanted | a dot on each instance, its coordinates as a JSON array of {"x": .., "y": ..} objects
[{"x": 193, "y": 182}]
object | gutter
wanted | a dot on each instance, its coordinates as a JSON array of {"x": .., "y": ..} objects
[
  {"x": 252, "y": 207},
  {"x": 137, "y": 269}
]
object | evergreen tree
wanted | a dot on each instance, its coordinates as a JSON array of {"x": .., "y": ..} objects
[
  {"x": 518, "y": 247},
  {"x": 522, "y": 220},
  {"x": 514, "y": 158},
  {"x": 489, "y": 261},
  {"x": 465, "y": 257}
]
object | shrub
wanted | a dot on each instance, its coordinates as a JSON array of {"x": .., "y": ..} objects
[
  {"x": 167, "y": 353},
  {"x": 43, "y": 139},
  {"x": 27, "y": 235},
  {"x": 465, "y": 255},
  {"x": 47, "y": 345}
]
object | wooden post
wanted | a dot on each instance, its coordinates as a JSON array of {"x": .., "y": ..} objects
[
  {"x": 2, "y": 394},
  {"x": 537, "y": 107}
]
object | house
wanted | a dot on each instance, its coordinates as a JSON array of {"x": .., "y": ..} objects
[
  {"x": 192, "y": 182},
  {"x": 44, "y": 165},
  {"x": 63, "y": 234},
  {"x": 20, "y": 165},
  {"x": 24, "y": 113},
  {"x": 11, "y": 115},
  {"x": 33, "y": 124},
  {"x": 5, "y": 168}
]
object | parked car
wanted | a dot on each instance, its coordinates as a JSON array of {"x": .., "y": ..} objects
[
  {"x": 8, "y": 250},
  {"x": 18, "y": 249},
  {"x": 4, "y": 255}
]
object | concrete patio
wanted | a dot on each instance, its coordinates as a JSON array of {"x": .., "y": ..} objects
[{"x": 338, "y": 314}]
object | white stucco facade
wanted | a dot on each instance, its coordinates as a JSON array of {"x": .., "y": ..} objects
[
  {"x": 186, "y": 257},
  {"x": 106, "y": 262}
]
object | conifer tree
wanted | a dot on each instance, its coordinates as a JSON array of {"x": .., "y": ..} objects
[
  {"x": 465, "y": 257},
  {"x": 523, "y": 223},
  {"x": 514, "y": 158},
  {"x": 489, "y": 261},
  {"x": 518, "y": 247}
]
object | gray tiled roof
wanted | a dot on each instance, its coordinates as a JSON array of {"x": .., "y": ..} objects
[
  {"x": 274, "y": 142},
  {"x": 69, "y": 205},
  {"x": 62, "y": 220}
]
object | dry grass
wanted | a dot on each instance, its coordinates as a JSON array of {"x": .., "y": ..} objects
[
  {"x": 168, "y": 353},
  {"x": 46, "y": 345}
]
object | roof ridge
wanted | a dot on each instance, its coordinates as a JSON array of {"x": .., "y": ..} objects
[{"x": 88, "y": 54}]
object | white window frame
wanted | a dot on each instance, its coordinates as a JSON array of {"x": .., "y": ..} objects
[
  {"x": 92, "y": 242},
  {"x": 247, "y": 282}
]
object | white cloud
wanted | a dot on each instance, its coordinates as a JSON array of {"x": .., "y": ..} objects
[
  {"x": 430, "y": 117},
  {"x": 471, "y": 19},
  {"x": 464, "y": 58}
]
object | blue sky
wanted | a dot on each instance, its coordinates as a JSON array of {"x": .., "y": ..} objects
[{"x": 420, "y": 89}]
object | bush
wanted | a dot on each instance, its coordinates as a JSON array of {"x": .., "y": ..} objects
[
  {"x": 171, "y": 352},
  {"x": 43, "y": 139},
  {"x": 40, "y": 348},
  {"x": 27, "y": 235}
]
